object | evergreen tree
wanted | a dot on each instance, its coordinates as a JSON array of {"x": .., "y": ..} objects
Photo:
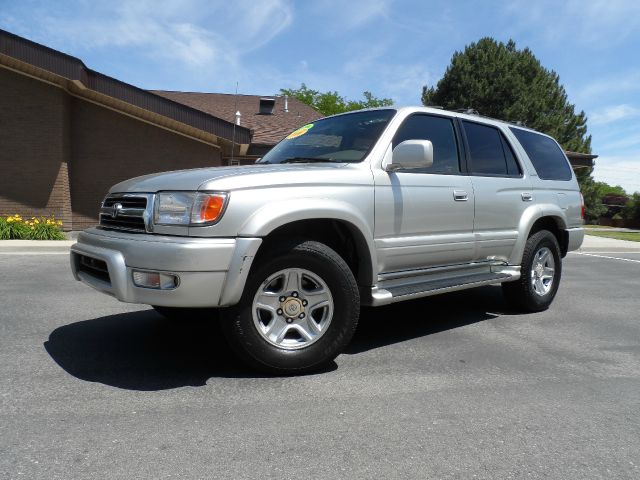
[{"x": 502, "y": 82}]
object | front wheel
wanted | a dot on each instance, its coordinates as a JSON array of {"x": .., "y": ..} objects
[
  {"x": 299, "y": 309},
  {"x": 540, "y": 274}
]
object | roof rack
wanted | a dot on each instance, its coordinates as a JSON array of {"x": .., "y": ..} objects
[{"x": 468, "y": 111}]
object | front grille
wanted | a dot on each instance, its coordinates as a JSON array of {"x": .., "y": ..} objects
[
  {"x": 128, "y": 213},
  {"x": 94, "y": 267},
  {"x": 127, "y": 202}
]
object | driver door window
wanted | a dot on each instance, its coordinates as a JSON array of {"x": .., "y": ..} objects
[{"x": 441, "y": 133}]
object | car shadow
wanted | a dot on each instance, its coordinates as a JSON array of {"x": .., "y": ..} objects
[
  {"x": 142, "y": 351},
  {"x": 382, "y": 326}
]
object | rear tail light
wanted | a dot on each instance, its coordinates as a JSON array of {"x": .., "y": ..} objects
[{"x": 582, "y": 206}]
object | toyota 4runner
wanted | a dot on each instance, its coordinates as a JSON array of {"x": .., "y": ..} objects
[{"x": 365, "y": 208}]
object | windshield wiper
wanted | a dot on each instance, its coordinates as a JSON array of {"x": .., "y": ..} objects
[{"x": 309, "y": 160}]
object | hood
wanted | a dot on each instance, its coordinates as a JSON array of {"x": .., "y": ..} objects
[{"x": 248, "y": 176}]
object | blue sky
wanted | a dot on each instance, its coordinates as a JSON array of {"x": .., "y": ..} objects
[{"x": 391, "y": 48}]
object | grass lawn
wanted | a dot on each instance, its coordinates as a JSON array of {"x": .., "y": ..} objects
[
  {"x": 595, "y": 226},
  {"x": 633, "y": 236}
]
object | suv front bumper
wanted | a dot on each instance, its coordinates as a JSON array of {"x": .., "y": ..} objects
[{"x": 211, "y": 271}]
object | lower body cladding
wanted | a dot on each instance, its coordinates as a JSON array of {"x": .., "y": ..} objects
[{"x": 163, "y": 270}]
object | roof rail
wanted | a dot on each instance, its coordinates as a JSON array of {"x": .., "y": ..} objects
[{"x": 468, "y": 111}]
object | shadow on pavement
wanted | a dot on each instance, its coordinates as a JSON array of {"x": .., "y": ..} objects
[
  {"x": 403, "y": 321},
  {"x": 142, "y": 351}
]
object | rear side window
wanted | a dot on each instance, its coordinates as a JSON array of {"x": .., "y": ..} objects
[
  {"x": 490, "y": 153},
  {"x": 442, "y": 135},
  {"x": 545, "y": 154}
]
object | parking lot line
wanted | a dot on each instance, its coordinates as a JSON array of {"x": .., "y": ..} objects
[{"x": 607, "y": 257}]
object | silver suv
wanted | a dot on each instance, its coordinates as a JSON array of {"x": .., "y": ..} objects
[{"x": 366, "y": 208}]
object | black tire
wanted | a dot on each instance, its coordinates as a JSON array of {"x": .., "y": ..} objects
[
  {"x": 183, "y": 314},
  {"x": 521, "y": 293},
  {"x": 249, "y": 344}
]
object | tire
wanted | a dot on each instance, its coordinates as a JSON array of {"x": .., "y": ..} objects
[
  {"x": 178, "y": 314},
  {"x": 298, "y": 311},
  {"x": 541, "y": 270}
]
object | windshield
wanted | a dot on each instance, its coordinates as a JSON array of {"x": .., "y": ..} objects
[{"x": 345, "y": 138}]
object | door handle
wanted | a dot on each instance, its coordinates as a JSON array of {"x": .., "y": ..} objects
[
  {"x": 460, "y": 196},
  {"x": 527, "y": 197}
]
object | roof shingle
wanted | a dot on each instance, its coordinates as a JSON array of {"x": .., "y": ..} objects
[{"x": 267, "y": 129}]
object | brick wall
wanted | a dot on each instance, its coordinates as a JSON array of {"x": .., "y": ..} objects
[
  {"x": 34, "y": 148},
  {"x": 60, "y": 154},
  {"x": 108, "y": 147}
]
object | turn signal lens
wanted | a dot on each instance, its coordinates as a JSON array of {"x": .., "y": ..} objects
[
  {"x": 156, "y": 280},
  {"x": 208, "y": 207}
]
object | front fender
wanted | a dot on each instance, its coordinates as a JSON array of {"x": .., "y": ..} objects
[{"x": 279, "y": 213}]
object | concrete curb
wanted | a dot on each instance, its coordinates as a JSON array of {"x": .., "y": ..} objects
[
  {"x": 35, "y": 247},
  {"x": 603, "y": 244}
]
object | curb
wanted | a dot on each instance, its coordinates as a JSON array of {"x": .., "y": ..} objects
[
  {"x": 35, "y": 247},
  {"x": 594, "y": 244}
]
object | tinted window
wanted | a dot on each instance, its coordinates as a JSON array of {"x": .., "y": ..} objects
[
  {"x": 442, "y": 135},
  {"x": 513, "y": 168},
  {"x": 490, "y": 153},
  {"x": 344, "y": 138},
  {"x": 545, "y": 154}
]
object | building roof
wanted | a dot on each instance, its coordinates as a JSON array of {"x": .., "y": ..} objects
[
  {"x": 71, "y": 73},
  {"x": 581, "y": 160},
  {"x": 267, "y": 129}
]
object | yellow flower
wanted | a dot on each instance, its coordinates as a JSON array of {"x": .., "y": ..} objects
[
  {"x": 10, "y": 219},
  {"x": 59, "y": 222},
  {"x": 36, "y": 221}
]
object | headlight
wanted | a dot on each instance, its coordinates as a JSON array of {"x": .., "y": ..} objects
[{"x": 188, "y": 208}]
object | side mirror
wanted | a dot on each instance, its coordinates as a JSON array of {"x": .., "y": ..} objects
[{"x": 411, "y": 154}]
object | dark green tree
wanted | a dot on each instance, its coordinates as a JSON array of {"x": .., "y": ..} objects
[
  {"x": 500, "y": 81},
  {"x": 331, "y": 103}
]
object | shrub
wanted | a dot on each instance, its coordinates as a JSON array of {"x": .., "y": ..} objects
[
  {"x": 632, "y": 209},
  {"x": 15, "y": 227}
]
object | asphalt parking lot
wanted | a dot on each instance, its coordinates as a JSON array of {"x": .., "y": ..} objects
[{"x": 456, "y": 386}]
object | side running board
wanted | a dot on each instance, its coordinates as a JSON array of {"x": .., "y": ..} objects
[{"x": 383, "y": 296}]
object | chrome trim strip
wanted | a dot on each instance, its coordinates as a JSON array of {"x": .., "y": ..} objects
[
  {"x": 380, "y": 296},
  {"x": 446, "y": 268}
]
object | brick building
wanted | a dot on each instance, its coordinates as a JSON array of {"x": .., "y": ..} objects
[{"x": 67, "y": 133}]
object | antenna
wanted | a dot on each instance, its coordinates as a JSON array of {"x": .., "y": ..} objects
[{"x": 233, "y": 135}]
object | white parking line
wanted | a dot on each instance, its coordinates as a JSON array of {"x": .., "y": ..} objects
[{"x": 606, "y": 256}]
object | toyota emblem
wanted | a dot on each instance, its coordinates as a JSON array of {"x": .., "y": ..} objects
[{"x": 115, "y": 210}]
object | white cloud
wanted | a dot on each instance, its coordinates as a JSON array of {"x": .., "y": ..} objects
[
  {"x": 602, "y": 88},
  {"x": 350, "y": 14},
  {"x": 625, "y": 141},
  {"x": 594, "y": 22},
  {"x": 613, "y": 114},
  {"x": 621, "y": 170},
  {"x": 195, "y": 33}
]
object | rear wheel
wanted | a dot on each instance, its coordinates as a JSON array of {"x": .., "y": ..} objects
[
  {"x": 299, "y": 309},
  {"x": 540, "y": 271}
]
